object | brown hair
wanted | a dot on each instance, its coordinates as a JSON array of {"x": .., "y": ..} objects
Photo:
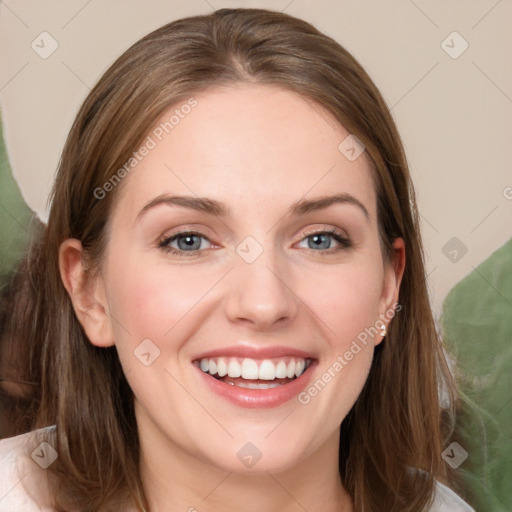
[
  {"x": 392, "y": 439},
  {"x": 19, "y": 364}
]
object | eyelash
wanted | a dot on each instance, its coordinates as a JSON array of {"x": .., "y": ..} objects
[{"x": 344, "y": 242}]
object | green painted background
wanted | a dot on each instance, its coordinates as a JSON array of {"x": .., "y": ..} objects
[
  {"x": 477, "y": 321},
  {"x": 15, "y": 217}
]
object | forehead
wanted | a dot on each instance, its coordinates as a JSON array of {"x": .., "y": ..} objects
[{"x": 250, "y": 146}]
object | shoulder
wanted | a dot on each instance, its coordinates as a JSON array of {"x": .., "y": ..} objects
[
  {"x": 23, "y": 461},
  {"x": 446, "y": 500}
]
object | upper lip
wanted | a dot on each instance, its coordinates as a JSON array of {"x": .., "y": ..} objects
[{"x": 251, "y": 352}]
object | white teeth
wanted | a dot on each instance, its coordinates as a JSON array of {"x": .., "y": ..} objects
[
  {"x": 252, "y": 385},
  {"x": 251, "y": 369},
  {"x": 281, "y": 370},
  {"x": 222, "y": 367},
  {"x": 291, "y": 369},
  {"x": 234, "y": 369},
  {"x": 267, "y": 370},
  {"x": 299, "y": 367}
]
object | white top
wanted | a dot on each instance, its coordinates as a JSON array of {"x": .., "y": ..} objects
[{"x": 23, "y": 486}]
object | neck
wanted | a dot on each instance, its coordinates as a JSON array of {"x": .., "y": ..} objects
[{"x": 175, "y": 479}]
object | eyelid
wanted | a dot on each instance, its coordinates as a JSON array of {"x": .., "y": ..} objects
[
  {"x": 326, "y": 229},
  {"x": 184, "y": 230},
  {"x": 340, "y": 236},
  {"x": 343, "y": 240},
  {"x": 167, "y": 238}
]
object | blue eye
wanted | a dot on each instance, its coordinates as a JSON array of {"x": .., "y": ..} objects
[
  {"x": 187, "y": 242},
  {"x": 323, "y": 240}
]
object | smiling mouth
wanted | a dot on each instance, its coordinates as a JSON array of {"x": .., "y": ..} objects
[{"x": 253, "y": 373}]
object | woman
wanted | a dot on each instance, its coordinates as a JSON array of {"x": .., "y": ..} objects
[{"x": 230, "y": 307}]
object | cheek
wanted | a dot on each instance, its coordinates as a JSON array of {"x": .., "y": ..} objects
[
  {"x": 346, "y": 300},
  {"x": 150, "y": 300},
  {"x": 166, "y": 304},
  {"x": 155, "y": 302}
]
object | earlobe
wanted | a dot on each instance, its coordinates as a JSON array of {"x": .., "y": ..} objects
[
  {"x": 87, "y": 296},
  {"x": 393, "y": 273}
]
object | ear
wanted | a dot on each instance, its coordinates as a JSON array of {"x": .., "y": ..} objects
[
  {"x": 393, "y": 273},
  {"x": 88, "y": 296}
]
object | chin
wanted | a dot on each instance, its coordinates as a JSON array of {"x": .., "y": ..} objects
[{"x": 258, "y": 454}]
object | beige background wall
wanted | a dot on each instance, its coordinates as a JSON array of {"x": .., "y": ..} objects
[{"x": 454, "y": 111}]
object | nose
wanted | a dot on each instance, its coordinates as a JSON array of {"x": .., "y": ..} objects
[{"x": 260, "y": 294}]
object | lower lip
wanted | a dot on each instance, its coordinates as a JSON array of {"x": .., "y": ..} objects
[{"x": 259, "y": 398}]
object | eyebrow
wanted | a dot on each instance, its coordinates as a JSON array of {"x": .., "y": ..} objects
[{"x": 217, "y": 208}]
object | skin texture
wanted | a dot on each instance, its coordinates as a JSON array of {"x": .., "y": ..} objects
[{"x": 258, "y": 149}]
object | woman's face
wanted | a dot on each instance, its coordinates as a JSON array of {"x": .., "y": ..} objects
[{"x": 272, "y": 283}]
